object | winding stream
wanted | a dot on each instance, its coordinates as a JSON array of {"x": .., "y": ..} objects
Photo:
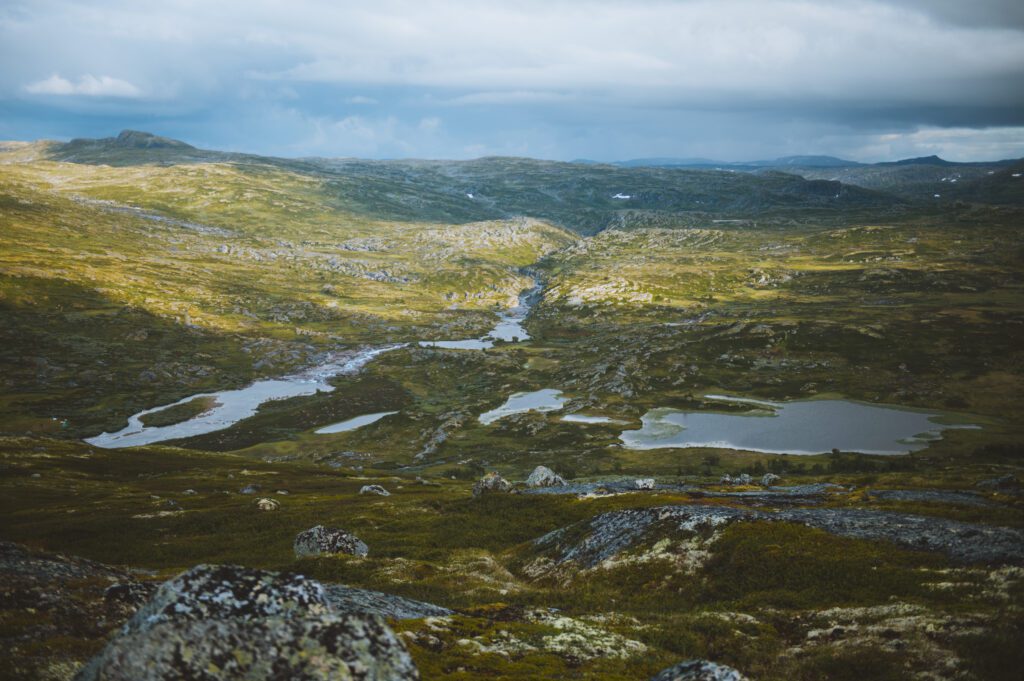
[{"x": 235, "y": 405}]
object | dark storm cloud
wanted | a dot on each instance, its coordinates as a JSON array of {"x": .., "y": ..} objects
[{"x": 595, "y": 78}]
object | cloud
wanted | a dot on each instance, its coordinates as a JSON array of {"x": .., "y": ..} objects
[
  {"x": 88, "y": 86},
  {"x": 561, "y": 78}
]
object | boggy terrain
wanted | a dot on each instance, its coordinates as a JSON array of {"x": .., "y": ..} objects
[{"x": 137, "y": 272}]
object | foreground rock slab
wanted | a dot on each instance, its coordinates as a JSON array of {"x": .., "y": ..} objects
[{"x": 217, "y": 622}]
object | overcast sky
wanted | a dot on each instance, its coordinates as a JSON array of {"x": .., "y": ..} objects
[{"x": 598, "y": 79}]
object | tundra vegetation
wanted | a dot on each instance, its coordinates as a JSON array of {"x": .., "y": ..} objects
[{"x": 136, "y": 272}]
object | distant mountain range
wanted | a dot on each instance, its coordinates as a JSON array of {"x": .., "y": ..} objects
[{"x": 589, "y": 196}]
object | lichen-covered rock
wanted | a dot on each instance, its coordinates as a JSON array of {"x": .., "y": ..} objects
[
  {"x": 698, "y": 670},
  {"x": 491, "y": 482},
  {"x": 374, "y": 489},
  {"x": 770, "y": 479},
  {"x": 219, "y": 591},
  {"x": 542, "y": 476},
  {"x": 320, "y": 540},
  {"x": 644, "y": 483},
  {"x": 268, "y": 504},
  {"x": 215, "y": 622}
]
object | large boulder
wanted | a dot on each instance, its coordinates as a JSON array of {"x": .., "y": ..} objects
[
  {"x": 542, "y": 476},
  {"x": 217, "y": 622},
  {"x": 490, "y": 483},
  {"x": 770, "y": 480},
  {"x": 644, "y": 483},
  {"x": 320, "y": 540},
  {"x": 698, "y": 670}
]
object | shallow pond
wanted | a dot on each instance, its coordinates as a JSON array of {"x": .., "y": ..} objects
[
  {"x": 355, "y": 422},
  {"x": 799, "y": 427},
  {"x": 538, "y": 400}
]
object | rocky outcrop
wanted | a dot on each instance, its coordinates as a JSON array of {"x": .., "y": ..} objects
[
  {"x": 644, "y": 483},
  {"x": 770, "y": 480},
  {"x": 215, "y": 622},
  {"x": 698, "y": 670},
  {"x": 542, "y": 476},
  {"x": 320, "y": 540},
  {"x": 491, "y": 483},
  {"x": 55, "y": 607},
  {"x": 374, "y": 489},
  {"x": 590, "y": 542}
]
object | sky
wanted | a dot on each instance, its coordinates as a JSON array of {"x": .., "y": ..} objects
[{"x": 731, "y": 80}]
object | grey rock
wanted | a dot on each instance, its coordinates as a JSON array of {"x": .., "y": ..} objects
[
  {"x": 698, "y": 670},
  {"x": 224, "y": 591},
  {"x": 251, "y": 488},
  {"x": 743, "y": 479},
  {"x": 215, "y": 622},
  {"x": 491, "y": 483},
  {"x": 320, "y": 540},
  {"x": 350, "y": 599},
  {"x": 374, "y": 489},
  {"x": 770, "y": 480},
  {"x": 644, "y": 483},
  {"x": 542, "y": 476}
]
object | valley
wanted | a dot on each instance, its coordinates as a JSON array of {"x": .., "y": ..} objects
[{"x": 781, "y": 406}]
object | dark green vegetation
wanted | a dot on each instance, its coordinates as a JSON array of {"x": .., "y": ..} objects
[{"x": 138, "y": 271}]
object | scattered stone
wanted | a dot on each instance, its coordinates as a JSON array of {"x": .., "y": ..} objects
[
  {"x": 644, "y": 483},
  {"x": 320, "y": 540},
  {"x": 542, "y": 476},
  {"x": 190, "y": 492},
  {"x": 770, "y": 480},
  {"x": 268, "y": 504},
  {"x": 251, "y": 488},
  {"x": 374, "y": 489},
  {"x": 282, "y": 492},
  {"x": 222, "y": 621},
  {"x": 699, "y": 670},
  {"x": 491, "y": 482}
]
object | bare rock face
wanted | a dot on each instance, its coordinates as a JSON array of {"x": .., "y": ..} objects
[
  {"x": 699, "y": 670},
  {"x": 374, "y": 489},
  {"x": 542, "y": 476},
  {"x": 222, "y": 621},
  {"x": 490, "y": 483},
  {"x": 320, "y": 540}
]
